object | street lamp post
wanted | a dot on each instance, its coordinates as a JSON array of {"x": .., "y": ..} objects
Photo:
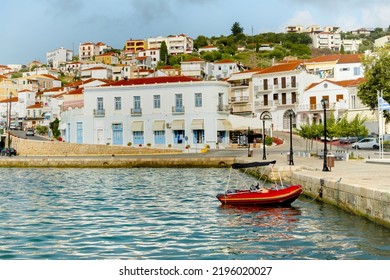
[
  {"x": 9, "y": 123},
  {"x": 291, "y": 157},
  {"x": 265, "y": 116},
  {"x": 324, "y": 103}
]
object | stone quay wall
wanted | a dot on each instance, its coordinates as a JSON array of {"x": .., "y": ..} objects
[
  {"x": 369, "y": 203},
  {"x": 25, "y": 147}
]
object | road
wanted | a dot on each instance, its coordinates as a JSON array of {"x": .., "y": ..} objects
[{"x": 22, "y": 134}]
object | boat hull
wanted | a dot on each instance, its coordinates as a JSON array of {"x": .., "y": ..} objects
[{"x": 272, "y": 197}]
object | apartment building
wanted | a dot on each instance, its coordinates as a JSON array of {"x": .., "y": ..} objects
[
  {"x": 329, "y": 40},
  {"x": 160, "y": 111},
  {"x": 180, "y": 44},
  {"x": 135, "y": 45},
  {"x": 278, "y": 88},
  {"x": 194, "y": 67},
  {"x": 57, "y": 57}
]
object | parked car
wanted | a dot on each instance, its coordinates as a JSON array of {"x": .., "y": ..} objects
[
  {"x": 348, "y": 140},
  {"x": 366, "y": 143},
  {"x": 8, "y": 152},
  {"x": 30, "y": 132}
]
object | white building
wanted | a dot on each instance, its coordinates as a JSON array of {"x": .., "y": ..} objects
[
  {"x": 222, "y": 69},
  {"x": 58, "y": 56},
  {"x": 348, "y": 67},
  {"x": 194, "y": 67},
  {"x": 328, "y": 40},
  {"x": 180, "y": 44},
  {"x": 153, "y": 54},
  {"x": 160, "y": 111},
  {"x": 278, "y": 88},
  {"x": 381, "y": 42}
]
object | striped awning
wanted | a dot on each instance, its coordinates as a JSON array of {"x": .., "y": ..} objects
[
  {"x": 177, "y": 125},
  {"x": 224, "y": 125},
  {"x": 197, "y": 124},
  {"x": 137, "y": 126},
  {"x": 158, "y": 125}
]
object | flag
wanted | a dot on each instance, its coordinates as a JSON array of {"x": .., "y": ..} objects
[{"x": 383, "y": 105}]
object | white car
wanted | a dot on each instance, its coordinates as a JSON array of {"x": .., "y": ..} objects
[{"x": 366, "y": 143}]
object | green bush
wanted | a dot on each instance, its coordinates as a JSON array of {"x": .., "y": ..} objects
[{"x": 268, "y": 141}]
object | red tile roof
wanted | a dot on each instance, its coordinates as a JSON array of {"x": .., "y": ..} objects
[
  {"x": 37, "y": 105},
  {"x": 344, "y": 83},
  {"x": 281, "y": 67},
  {"x": 195, "y": 59},
  {"x": 12, "y": 99},
  {"x": 224, "y": 61},
  {"x": 153, "y": 80}
]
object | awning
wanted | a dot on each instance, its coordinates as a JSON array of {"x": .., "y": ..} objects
[
  {"x": 137, "y": 126},
  {"x": 158, "y": 125},
  {"x": 197, "y": 124},
  {"x": 224, "y": 125},
  {"x": 177, "y": 125}
]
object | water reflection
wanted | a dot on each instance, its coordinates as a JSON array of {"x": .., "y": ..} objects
[{"x": 166, "y": 214}]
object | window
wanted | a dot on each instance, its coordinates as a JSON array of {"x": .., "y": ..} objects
[
  {"x": 156, "y": 102},
  {"x": 356, "y": 71},
  {"x": 179, "y": 102},
  {"x": 198, "y": 100},
  {"x": 118, "y": 103},
  {"x": 353, "y": 101},
  {"x": 137, "y": 102},
  {"x": 100, "y": 103}
]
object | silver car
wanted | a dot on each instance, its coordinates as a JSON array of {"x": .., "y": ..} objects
[
  {"x": 30, "y": 132},
  {"x": 366, "y": 143}
]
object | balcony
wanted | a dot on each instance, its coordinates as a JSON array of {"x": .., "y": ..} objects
[
  {"x": 136, "y": 111},
  {"x": 262, "y": 88},
  {"x": 178, "y": 110},
  {"x": 222, "y": 108},
  {"x": 239, "y": 99},
  {"x": 241, "y": 109},
  {"x": 99, "y": 112}
]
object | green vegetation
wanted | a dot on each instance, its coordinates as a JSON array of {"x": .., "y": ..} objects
[
  {"x": 377, "y": 79},
  {"x": 334, "y": 129},
  {"x": 41, "y": 130},
  {"x": 54, "y": 128}
]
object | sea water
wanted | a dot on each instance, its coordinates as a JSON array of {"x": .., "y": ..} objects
[{"x": 167, "y": 214}]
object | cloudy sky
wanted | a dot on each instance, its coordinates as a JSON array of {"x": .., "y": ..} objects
[{"x": 32, "y": 28}]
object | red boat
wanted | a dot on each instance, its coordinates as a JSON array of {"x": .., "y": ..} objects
[{"x": 255, "y": 194}]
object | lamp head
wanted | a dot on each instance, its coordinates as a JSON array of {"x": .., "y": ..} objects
[{"x": 324, "y": 102}]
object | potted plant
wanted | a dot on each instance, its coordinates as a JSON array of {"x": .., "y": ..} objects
[{"x": 129, "y": 144}]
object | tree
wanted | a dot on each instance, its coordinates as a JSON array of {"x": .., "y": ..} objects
[
  {"x": 201, "y": 41},
  {"x": 237, "y": 29},
  {"x": 164, "y": 52},
  {"x": 377, "y": 79},
  {"x": 54, "y": 128}
]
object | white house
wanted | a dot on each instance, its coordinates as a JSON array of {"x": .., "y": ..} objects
[
  {"x": 160, "y": 111},
  {"x": 221, "y": 69},
  {"x": 348, "y": 67},
  {"x": 194, "y": 67},
  {"x": 382, "y": 41},
  {"x": 56, "y": 57},
  {"x": 278, "y": 88},
  {"x": 328, "y": 40}
]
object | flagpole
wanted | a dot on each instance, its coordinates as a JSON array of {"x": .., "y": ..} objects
[{"x": 380, "y": 119}]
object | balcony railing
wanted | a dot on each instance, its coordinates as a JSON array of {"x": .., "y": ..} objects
[
  {"x": 136, "y": 111},
  {"x": 239, "y": 99},
  {"x": 178, "y": 110},
  {"x": 241, "y": 109},
  {"x": 99, "y": 112},
  {"x": 262, "y": 88},
  {"x": 222, "y": 108}
]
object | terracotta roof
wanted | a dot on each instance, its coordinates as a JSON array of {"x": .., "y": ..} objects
[
  {"x": 195, "y": 59},
  {"x": 12, "y": 99},
  {"x": 223, "y": 61},
  {"x": 281, "y": 67},
  {"x": 343, "y": 83},
  {"x": 76, "y": 91},
  {"x": 37, "y": 105},
  {"x": 350, "y": 58},
  {"x": 153, "y": 80},
  {"x": 324, "y": 58},
  {"x": 50, "y": 76}
]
